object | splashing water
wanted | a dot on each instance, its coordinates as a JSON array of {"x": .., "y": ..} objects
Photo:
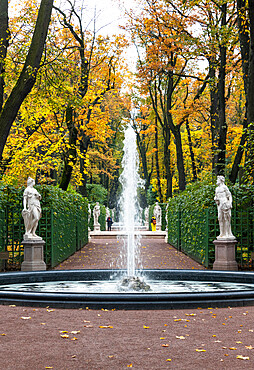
[{"x": 130, "y": 181}]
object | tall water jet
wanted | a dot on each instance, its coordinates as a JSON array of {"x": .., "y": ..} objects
[{"x": 130, "y": 180}]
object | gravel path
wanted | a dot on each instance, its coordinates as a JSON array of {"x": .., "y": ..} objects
[{"x": 47, "y": 338}]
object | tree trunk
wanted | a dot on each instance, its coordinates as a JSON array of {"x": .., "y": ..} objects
[
  {"x": 83, "y": 150},
  {"x": 213, "y": 109},
  {"x": 71, "y": 157},
  {"x": 3, "y": 44},
  {"x": 221, "y": 159},
  {"x": 167, "y": 154},
  {"x": 157, "y": 152},
  {"x": 243, "y": 26},
  {"x": 193, "y": 164},
  {"x": 28, "y": 74},
  {"x": 249, "y": 162}
]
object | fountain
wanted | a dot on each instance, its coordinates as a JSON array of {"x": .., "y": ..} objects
[{"x": 134, "y": 288}]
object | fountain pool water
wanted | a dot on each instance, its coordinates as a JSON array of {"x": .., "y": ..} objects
[
  {"x": 177, "y": 289},
  {"x": 151, "y": 289}
]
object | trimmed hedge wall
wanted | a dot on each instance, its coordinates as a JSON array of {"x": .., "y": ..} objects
[{"x": 63, "y": 225}]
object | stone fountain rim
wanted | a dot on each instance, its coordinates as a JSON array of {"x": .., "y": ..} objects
[{"x": 145, "y": 301}]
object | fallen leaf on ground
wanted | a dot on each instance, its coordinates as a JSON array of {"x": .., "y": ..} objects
[
  {"x": 169, "y": 359},
  {"x": 26, "y": 317},
  {"x": 165, "y": 345},
  {"x": 146, "y": 327},
  {"x": 106, "y": 327},
  {"x": 129, "y": 365},
  {"x": 75, "y": 332},
  {"x": 200, "y": 350},
  {"x": 74, "y": 338},
  {"x": 248, "y": 347},
  {"x": 240, "y": 357},
  {"x": 65, "y": 336},
  {"x": 180, "y": 337},
  {"x": 232, "y": 348}
]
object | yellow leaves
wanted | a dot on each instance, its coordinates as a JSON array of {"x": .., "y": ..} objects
[
  {"x": 106, "y": 327},
  {"x": 168, "y": 359},
  {"x": 181, "y": 337},
  {"x": 240, "y": 357},
  {"x": 26, "y": 317},
  {"x": 146, "y": 327},
  {"x": 130, "y": 365},
  {"x": 165, "y": 345},
  {"x": 249, "y": 347},
  {"x": 200, "y": 350},
  {"x": 65, "y": 336},
  {"x": 3, "y": 334}
]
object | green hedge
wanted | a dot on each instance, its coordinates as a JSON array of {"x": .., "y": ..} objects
[
  {"x": 193, "y": 223},
  {"x": 63, "y": 225}
]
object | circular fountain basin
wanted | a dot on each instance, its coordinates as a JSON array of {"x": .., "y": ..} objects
[{"x": 171, "y": 289}]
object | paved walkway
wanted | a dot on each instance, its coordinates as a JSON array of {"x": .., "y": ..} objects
[{"x": 47, "y": 338}]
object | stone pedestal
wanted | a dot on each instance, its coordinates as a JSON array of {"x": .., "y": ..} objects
[
  {"x": 225, "y": 255},
  {"x": 33, "y": 255},
  {"x": 158, "y": 227},
  {"x": 97, "y": 227}
]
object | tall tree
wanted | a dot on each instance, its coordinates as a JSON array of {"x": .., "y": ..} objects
[{"x": 9, "y": 109}]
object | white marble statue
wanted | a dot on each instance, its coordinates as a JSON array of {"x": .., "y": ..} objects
[
  {"x": 166, "y": 216},
  {"x": 107, "y": 213},
  {"x": 89, "y": 216},
  {"x": 146, "y": 214},
  {"x": 223, "y": 199},
  {"x": 157, "y": 214},
  {"x": 31, "y": 210},
  {"x": 96, "y": 213},
  {"x": 89, "y": 213}
]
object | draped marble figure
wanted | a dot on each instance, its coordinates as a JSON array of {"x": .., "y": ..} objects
[
  {"x": 223, "y": 199},
  {"x": 31, "y": 210}
]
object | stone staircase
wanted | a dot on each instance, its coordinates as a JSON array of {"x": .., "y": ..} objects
[{"x": 119, "y": 234}]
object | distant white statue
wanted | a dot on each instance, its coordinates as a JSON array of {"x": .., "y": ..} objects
[
  {"x": 96, "y": 213},
  {"x": 107, "y": 213},
  {"x": 89, "y": 215},
  {"x": 146, "y": 213},
  {"x": 157, "y": 215},
  {"x": 31, "y": 210},
  {"x": 166, "y": 216},
  {"x": 223, "y": 199}
]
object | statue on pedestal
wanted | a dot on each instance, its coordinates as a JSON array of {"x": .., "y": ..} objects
[
  {"x": 223, "y": 199},
  {"x": 146, "y": 213},
  {"x": 31, "y": 210},
  {"x": 157, "y": 215},
  {"x": 89, "y": 215},
  {"x": 96, "y": 213}
]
